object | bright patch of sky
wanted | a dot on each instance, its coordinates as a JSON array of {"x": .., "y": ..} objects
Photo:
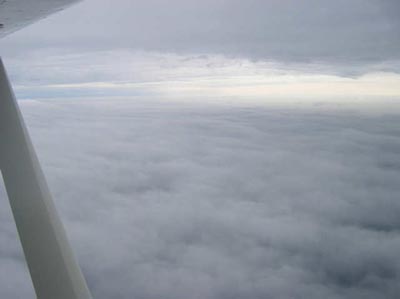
[{"x": 257, "y": 51}]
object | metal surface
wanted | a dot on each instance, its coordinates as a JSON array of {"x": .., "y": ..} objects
[
  {"x": 54, "y": 270},
  {"x": 15, "y": 14}
]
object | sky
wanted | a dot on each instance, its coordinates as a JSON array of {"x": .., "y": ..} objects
[
  {"x": 248, "y": 50},
  {"x": 216, "y": 149}
]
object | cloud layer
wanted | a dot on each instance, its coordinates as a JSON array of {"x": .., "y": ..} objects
[
  {"x": 165, "y": 200},
  {"x": 342, "y": 33},
  {"x": 46, "y": 74}
]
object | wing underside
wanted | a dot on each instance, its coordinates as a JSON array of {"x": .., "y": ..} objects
[{"x": 15, "y": 14}]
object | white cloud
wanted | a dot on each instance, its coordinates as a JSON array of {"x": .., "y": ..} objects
[
  {"x": 167, "y": 199},
  {"x": 352, "y": 36},
  {"x": 129, "y": 73},
  {"x": 170, "y": 200}
]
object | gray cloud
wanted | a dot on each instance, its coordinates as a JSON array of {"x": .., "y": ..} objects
[
  {"x": 176, "y": 201},
  {"x": 356, "y": 33}
]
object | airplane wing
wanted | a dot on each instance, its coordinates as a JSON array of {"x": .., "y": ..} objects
[{"x": 16, "y": 14}]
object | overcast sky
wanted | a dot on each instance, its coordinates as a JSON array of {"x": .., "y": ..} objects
[
  {"x": 216, "y": 149},
  {"x": 256, "y": 48}
]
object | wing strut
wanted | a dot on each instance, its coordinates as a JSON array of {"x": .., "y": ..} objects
[{"x": 54, "y": 270}]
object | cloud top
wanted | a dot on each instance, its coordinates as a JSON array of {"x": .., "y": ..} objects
[{"x": 173, "y": 200}]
